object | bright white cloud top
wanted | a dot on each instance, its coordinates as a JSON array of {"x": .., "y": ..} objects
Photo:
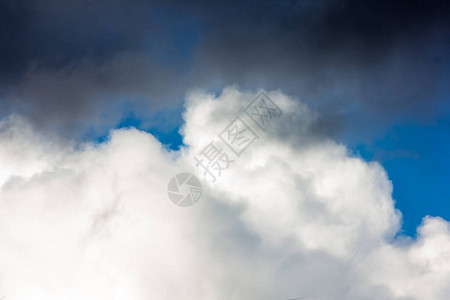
[{"x": 295, "y": 216}]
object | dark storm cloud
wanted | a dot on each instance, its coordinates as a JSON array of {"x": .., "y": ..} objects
[
  {"x": 71, "y": 62},
  {"x": 378, "y": 51}
]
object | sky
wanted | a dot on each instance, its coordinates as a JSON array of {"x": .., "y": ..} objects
[{"x": 345, "y": 196}]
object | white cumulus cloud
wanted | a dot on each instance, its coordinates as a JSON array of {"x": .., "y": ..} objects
[{"x": 295, "y": 215}]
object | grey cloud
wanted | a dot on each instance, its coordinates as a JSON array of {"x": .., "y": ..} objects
[{"x": 71, "y": 63}]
